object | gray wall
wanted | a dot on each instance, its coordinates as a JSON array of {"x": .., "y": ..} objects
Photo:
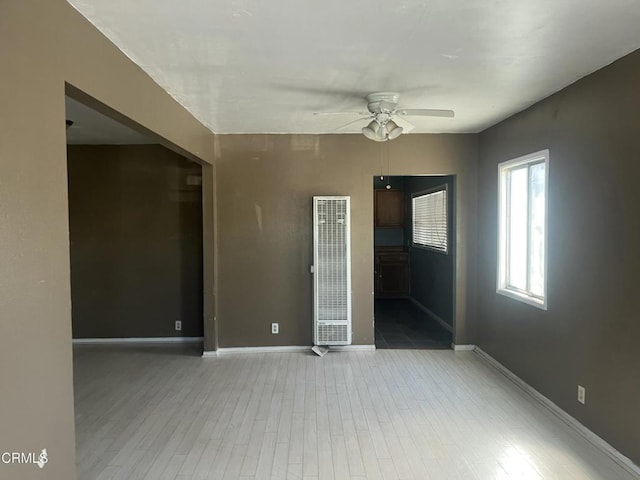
[
  {"x": 589, "y": 334},
  {"x": 265, "y": 186},
  {"x": 432, "y": 273},
  {"x": 136, "y": 242}
]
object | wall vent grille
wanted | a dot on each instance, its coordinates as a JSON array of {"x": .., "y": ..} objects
[
  {"x": 332, "y": 272},
  {"x": 332, "y": 334}
]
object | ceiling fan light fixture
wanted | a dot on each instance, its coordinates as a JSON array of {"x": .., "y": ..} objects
[
  {"x": 381, "y": 134},
  {"x": 375, "y": 132},
  {"x": 394, "y": 131},
  {"x": 369, "y": 133}
]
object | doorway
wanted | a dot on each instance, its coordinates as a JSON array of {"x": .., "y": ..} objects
[
  {"x": 135, "y": 221},
  {"x": 414, "y": 261}
]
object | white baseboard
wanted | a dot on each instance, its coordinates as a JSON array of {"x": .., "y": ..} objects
[
  {"x": 266, "y": 349},
  {"x": 463, "y": 348},
  {"x": 130, "y": 340},
  {"x": 578, "y": 427},
  {"x": 352, "y": 348},
  {"x": 284, "y": 349},
  {"x": 431, "y": 314}
]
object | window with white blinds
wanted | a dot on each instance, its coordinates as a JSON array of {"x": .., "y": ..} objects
[{"x": 430, "y": 219}]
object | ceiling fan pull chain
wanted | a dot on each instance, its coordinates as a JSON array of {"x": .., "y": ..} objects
[{"x": 386, "y": 147}]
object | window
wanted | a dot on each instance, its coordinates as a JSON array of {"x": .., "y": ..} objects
[
  {"x": 430, "y": 219},
  {"x": 522, "y": 235}
]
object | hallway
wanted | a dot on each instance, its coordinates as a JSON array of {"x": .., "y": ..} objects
[{"x": 399, "y": 323}]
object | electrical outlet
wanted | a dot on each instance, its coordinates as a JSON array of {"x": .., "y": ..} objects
[
  {"x": 582, "y": 392},
  {"x": 178, "y": 325},
  {"x": 275, "y": 328}
]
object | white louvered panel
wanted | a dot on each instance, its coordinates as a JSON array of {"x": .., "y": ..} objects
[
  {"x": 332, "y": 334},
  {"x": 332, "y": 277}
]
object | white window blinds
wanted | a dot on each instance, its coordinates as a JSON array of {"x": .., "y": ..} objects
[{"x": 430, "y": 220}]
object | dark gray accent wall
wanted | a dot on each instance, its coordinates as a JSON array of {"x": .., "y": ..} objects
[
  {"x": 432, "y": 272},
  {"x": 136, "y": 242},
  {"x": 589, "y": 334}
]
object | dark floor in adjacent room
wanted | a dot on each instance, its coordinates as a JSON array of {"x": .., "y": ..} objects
[{"x": 399, "y": 323}]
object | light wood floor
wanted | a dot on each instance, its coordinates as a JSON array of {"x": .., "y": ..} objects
[{"x": 165, "y": 413}]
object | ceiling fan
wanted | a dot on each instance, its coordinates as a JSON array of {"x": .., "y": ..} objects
[{"x": 383, "y": 113}]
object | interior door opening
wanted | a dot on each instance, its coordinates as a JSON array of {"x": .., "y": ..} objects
[
  {"x": 136, "y": 235},
  {"x": 414, "y": 261}
]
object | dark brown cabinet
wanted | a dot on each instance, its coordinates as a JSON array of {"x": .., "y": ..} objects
[
  {"x": 389, "y": 208},
  {"x": 391, "y": 273}
]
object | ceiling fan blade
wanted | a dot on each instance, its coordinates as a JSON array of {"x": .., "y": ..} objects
[
  {"x": 425, "y": 112},
  {"x": 352, "y": 122},
  {"x": 342, "y": 113},
  {"x": 406, "y": 125}
]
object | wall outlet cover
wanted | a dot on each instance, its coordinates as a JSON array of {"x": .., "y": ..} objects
[{"x": 582, "y": 392}]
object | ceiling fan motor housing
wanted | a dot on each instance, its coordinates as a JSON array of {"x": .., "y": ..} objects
[{"x": 382, "y": 102}]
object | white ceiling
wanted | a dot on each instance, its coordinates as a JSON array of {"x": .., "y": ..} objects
[
  {"x": 243, "y": 66},
  {"x": 93, "y": 128}
]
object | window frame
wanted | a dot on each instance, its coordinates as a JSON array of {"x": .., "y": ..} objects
[
  {"x": 443, "y": 187},
  {"x": 502, "y": 287}
]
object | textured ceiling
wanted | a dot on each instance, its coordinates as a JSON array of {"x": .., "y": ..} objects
[{"x": 243, "y": 66}]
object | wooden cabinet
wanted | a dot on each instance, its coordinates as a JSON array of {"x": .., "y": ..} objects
[
  {"x": 391, "y": 273},
  {"x": 391, "y": 263},
  {"x": 389, "y": 208}
]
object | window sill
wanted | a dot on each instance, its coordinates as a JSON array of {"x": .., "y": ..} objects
[{"x": 536, "y": 302}]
